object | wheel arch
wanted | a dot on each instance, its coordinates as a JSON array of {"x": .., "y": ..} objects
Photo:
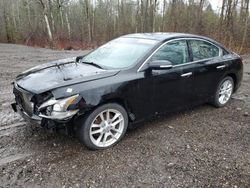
[
  {"x": 234, "y": 77},
  {"x": 123, "y": 103}
]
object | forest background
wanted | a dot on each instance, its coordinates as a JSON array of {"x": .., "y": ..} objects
[{"x": 83, "y": 24}]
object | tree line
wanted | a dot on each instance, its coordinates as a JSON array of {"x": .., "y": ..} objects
[{"x": 88, "y": 23}]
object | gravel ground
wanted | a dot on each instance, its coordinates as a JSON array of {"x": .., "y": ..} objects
[{"x": 201, "y": 147}]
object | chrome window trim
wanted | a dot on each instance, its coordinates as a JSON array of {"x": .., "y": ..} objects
[{"x": 191, "y": 62}]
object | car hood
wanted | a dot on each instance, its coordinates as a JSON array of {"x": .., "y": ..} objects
[{"x": 60, "y": 73}]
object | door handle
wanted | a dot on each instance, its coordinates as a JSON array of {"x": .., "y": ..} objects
[
  {"x": 186, "y": 74},
  {"x": 221, "y": 67}
]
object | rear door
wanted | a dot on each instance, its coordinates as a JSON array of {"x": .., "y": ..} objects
[{"x": 209, "y": 67}]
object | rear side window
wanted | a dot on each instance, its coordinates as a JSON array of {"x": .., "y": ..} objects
[
  {"x": 203, "y": 50},
  {"x": 176, "y": 52}
]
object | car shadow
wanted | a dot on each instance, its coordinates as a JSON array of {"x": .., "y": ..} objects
[{"x": 164, "y": 117}]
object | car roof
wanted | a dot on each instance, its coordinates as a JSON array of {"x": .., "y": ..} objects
[{"x": 162, "y": 36}]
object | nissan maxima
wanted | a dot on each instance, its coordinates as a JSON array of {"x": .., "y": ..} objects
[{"x": 131, "y": 78}]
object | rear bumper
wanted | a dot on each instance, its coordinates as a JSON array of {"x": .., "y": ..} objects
[
  {"x": 239, "y": 77},
  {"x": 31, "y": 119}
]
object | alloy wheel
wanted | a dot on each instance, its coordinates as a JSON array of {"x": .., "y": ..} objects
[
  {"x": 106, "y": 128},
  {"x": 225, "y": 91}
]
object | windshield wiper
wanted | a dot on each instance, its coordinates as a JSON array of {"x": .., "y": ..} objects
[{"x": 92, "y": 63}]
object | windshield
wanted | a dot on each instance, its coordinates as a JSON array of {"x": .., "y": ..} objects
[{"x": 120, "y": 53}]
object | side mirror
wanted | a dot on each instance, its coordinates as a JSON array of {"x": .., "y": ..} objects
[{"x": 160, "y": 64}]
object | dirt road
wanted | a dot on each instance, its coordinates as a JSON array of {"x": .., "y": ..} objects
[{"x": 201, "y": 147}]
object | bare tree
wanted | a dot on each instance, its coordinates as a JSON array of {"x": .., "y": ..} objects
[
  {"x": 245, "y": 17},
  {"x": 90, "y": 22},
  {"x": 88, "y": 17},
  {"x": 44, "y": 5}
]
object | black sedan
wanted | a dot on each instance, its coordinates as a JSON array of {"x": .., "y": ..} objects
[{"x": 125, "y": 81}]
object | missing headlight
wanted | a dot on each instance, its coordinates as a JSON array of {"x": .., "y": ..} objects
[{"x": 49, "y": 110}]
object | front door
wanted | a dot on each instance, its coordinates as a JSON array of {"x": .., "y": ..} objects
[{"x": 172, "y": 87}]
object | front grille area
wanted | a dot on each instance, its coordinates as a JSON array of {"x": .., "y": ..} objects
[{"x": 23, "y": 98}]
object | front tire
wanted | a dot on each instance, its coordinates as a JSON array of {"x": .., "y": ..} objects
[
  {"x": 103, "y": 127},
  {"x": 223, "y": 92}
]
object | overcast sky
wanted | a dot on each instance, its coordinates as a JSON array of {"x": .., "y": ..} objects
[{"x": 216, "y": 4}]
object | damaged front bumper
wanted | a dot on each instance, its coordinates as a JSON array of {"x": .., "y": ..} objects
[
  {"x": 60, "y": 116},
  {"x": 51, "y": 114},
  {"x": 33, "y": 119},
  {"x": 52, "y": 125}
]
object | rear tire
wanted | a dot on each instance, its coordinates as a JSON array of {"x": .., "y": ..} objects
[
  {"x": 103, "y": 127},
  {"x": 223, "y": 92}
]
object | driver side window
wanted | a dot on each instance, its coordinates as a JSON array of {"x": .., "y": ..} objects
[{"x": 176, "y": 52}]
